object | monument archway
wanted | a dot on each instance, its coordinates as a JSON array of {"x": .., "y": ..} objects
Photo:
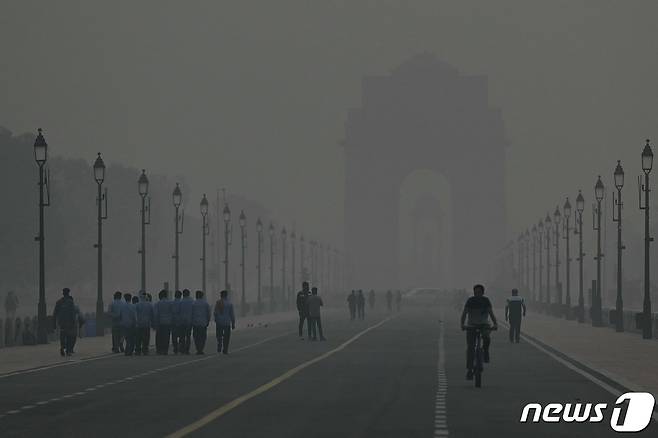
[{"x": 423, "y": 115}]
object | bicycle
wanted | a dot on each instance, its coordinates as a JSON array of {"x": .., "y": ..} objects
[{"x": 478, "y": 357}]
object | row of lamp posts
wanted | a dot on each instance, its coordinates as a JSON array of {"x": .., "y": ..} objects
[
  {"x": 541, "y": 233},
  {"x": 41, "y": 157}
]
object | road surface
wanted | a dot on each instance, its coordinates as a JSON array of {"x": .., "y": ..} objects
[{"x": 398, "y": 375}]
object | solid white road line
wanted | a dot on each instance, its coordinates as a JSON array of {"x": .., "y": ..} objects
[{"x": 212, "y": 416}]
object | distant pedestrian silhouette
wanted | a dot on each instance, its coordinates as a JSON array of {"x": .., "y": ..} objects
[
  {"x": 371, "y": 299},
  {"x": 351, "y": 303},
  {"x": 224, "y": 321},
  {"x": 361, "y": 305},
  {"x": 514, "y": 313}
]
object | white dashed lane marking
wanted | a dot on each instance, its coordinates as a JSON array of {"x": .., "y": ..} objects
[
  {"x": 440, "y": 416},
  {"x": 129, "y": 378}
]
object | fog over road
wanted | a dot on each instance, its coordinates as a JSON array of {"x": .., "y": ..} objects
[{"x": 390, "y": 375}]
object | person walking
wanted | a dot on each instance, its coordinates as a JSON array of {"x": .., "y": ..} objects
[
  {"x": 163, "y": 317},
  {"x": 176, "y": 328},
  {"x": 115, "y": 313},
  {"x": 128, "y": 322},
  {"x": 11, "y": 304},
  {"x": 351, "y": 303},
  {"x": 514, "y": 313},
  {"x": 315, "y": 321},
  {"x": 225, "y": 322},
  {"x": 200, "y": 321},
  {"x": 144, "y": 311},
  {"x": 185, "y": 322},
  {"x": 371, "y": 299},
  {"x": 67, "y": 316},
  {"x": 302, "y": 309},
  {"x": 361, "y": 305}
]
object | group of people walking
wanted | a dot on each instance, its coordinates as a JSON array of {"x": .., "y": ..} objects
[
  {"x": 177, "y": 321},
  {"x": 356, "y": 302}
]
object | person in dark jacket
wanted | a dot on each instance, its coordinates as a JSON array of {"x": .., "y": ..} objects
[
  {"x": 361, "y": 305},
  {"x": 163, "y": 318},
  {"x": 302, "y": 309},
  {"x": 114, "y": 311},
  {"x": 144, "y": 311},
  {"x": 351, "y": 303},
  {"x": 225, "y": 321},
  {"x": 176, "y": 328},
  {"x": 67, "y": 316},
  {"x": 200, "y": 321},
  {"x": 185, "y": 317}
]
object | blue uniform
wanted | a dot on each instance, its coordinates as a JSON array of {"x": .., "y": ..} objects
[{"x": 200, "y": 321}]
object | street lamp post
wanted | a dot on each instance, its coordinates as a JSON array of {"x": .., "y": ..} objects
[
  {"x": 599, "y": 191},
  {"x": 177, "y": 198},
  {"x": 519, "y": 257},
  {"x": 619, "y": 304},
  {"x": 557, "y": 215},
  {"x": 580, "y": 207},
  {"x": 647, "y": 164},
  {"x": 534, "y": 262},
  {"x": 293, "y": 236},
  {"x": 143, "y": 186},
  {"x": 284, "y": 238},
  {"x": 540, "y": 239},
  {"x": 259, "y": 229},
  {"x": 566, "y": 209},
  {"x": 526, "y": 249},
  {"x": 205, "y": 230},
  {"x": 227, "y": 243},
  {"x": 271, "y": 230},
  {"x": 243, "y": 246},
  {"x": 101, "y": 200},
  {"x": 41, "y": 156},
  {"x": 302, "y": 273},
  {"x": 548, "y": 221}
]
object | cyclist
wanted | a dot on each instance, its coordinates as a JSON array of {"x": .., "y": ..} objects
[{"x": 478, "y": 309}]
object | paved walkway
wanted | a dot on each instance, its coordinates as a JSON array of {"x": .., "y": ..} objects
[
  {"x": 17, "y": 359},
  {"x": 625, "y": 358}
]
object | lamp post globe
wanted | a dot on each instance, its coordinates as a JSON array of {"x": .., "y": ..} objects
[
  {"x": 227, "y": 214},
  {"x": 599, "y": 189},
  {"x": 40, "y": 148},
  {"x": 580, "y": 202},
  {"x": 143, "y": 184},
  {"x": 177, "y": 196},
  {"x": 203, "y": 206},
  {"x": 99, "y": 169},
  {"x": 647, "y": 157},
  {"x": 566, "y": 209}
]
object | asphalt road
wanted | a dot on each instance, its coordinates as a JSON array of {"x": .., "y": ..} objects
[{"x": 399, "y": 375}]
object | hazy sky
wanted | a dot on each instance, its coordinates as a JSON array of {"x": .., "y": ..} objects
[{"x": 252, "y": 95}]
